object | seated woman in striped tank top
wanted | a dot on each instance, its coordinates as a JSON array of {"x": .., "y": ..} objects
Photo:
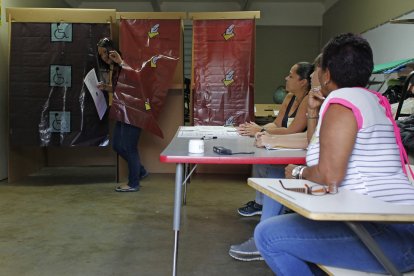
[{"x": 357, "y": 146}]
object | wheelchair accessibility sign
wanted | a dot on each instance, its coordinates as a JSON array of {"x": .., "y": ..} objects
[
  {"x": 59, "y": 121},
  {"x": 61, "y": 75},
  {"x": 61, "y": 32}
]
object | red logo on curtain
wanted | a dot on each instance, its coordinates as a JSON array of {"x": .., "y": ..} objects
[
  {"x": 150, "y": 49},
  {"x": 223, "y": 71}
]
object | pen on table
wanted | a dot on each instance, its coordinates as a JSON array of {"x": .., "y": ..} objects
[{"x": 208, "y": 137}]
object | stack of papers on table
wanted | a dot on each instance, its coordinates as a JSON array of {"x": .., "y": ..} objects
[
  {"x": 279, "y": 148},
  {"x": 207, "y": 131}
]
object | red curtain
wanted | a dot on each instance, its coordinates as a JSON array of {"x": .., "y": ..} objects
[
  {"x": 151, "y": 50},
  {"x": 223, "y": 59}
]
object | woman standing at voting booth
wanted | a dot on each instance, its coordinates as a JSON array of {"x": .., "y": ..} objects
[
  {"x": 125, "y": 137},
  {"x": 356, "y": 146}
]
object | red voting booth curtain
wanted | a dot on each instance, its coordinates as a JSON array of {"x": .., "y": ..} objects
[
  {"x": 150, "y": 49},
  {"x": 223, "y": 62}
]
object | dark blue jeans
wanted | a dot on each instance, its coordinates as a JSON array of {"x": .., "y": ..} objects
[
  {"x": 288, "y": 242},
  {"x": 125, "y": 143}
]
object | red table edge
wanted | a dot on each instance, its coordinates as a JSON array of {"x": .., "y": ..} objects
[{"x": 232, "y": 160}]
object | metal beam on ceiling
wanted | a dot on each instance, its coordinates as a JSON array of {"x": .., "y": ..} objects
[
  {"x": 246, "y": 6},
  {"x": 156, "y": 5}
]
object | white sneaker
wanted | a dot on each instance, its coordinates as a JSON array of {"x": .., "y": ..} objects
[{"x": 246, "y": 258}]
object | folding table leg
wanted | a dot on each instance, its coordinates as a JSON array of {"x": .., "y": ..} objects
[
  {"x": 186, "y": 180},
  {"x": 177, "y": 212},
  {"x": 186, "y": 173},
  {"x": 370, "y": 243}
]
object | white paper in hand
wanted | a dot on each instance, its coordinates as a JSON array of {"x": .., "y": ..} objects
[{"x": 91, "y": 81}]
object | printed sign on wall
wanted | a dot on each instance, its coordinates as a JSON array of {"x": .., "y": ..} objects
[
  {"x": 61, "y": 32},
  {"x": 61, "y": 75},
  {"x": 59, "y": 121}
]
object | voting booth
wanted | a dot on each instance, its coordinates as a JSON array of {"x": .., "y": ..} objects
[
  {"x": 54, "y": 119},
  {"x": 52, "y": 116}
]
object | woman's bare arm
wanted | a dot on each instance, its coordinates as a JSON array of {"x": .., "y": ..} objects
[
  {"x": 337, "y": 140},
  {"x": 293, "y": 141}
]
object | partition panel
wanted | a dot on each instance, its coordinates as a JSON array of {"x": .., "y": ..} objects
[
  {"x": 223, "y": 68},
  {"x": 51, "y": 51},
  {"x": 49, "y": 103}
]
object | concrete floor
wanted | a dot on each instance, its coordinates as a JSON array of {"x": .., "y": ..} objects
[{"x": 69, "y": 221}]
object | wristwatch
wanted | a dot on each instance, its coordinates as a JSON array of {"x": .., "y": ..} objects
[
  {"x": 297, "y": 172},
  {"x": 263, "y": 129}
]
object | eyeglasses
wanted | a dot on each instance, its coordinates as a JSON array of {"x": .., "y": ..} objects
[{"x": 310, "y": 190}]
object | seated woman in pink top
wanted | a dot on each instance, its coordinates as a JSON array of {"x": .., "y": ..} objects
[{"x": 356, "y": 146}]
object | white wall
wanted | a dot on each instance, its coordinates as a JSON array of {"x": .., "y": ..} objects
[
  {"x": 289, "y": 14},
  {"x": 272, "y": 13},
  {"x": 391, "y": 42}
]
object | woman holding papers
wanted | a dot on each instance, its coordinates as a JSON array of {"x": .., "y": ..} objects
[
  {"x": 357, "y": 146},
  {"x": 125, "y": 136}
]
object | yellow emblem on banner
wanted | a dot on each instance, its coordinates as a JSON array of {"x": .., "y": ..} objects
[
  {"x": 154, "y": 31},
  {"x": 229, "y": 33},
  {"x": 154, "y": 60},
  {"x": 228, "y": 80},
  {"x": 147, "y": 105}
]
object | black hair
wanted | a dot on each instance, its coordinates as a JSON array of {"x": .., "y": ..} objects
[
  {"x": 317, "y": 62},
  {"x": 304, "y": 70},
  {"x": 349, "y": 59},
  {"x": 105, "y": 43},
  {"x": 109, "y": 45}
]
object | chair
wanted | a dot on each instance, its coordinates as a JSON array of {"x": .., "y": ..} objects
[
  {"x": 405, "y": 90},
  {"x": 335, "y": 271}
]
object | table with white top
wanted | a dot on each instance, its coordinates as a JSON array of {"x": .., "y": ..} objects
[
  {"x": 346, "y": 205},
  {"x": 177, "y": 152}
]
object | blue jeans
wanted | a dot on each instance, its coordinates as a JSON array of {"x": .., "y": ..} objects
[
  {"x": 270, "y": 207},
  {"x": 287, "y": 242},
  {"x": 125, "y": 143}
]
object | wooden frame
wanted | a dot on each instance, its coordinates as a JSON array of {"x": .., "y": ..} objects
[
  {"x": 224, "y": 15},
  {"x": 45, "y": 15},
  {"x": 151, "y": 15}
]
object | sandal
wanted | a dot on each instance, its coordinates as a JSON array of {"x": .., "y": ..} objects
[{"x": 126, "y": 189}]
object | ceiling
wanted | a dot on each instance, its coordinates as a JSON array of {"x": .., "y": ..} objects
[{"x": 273, "y": 12}]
